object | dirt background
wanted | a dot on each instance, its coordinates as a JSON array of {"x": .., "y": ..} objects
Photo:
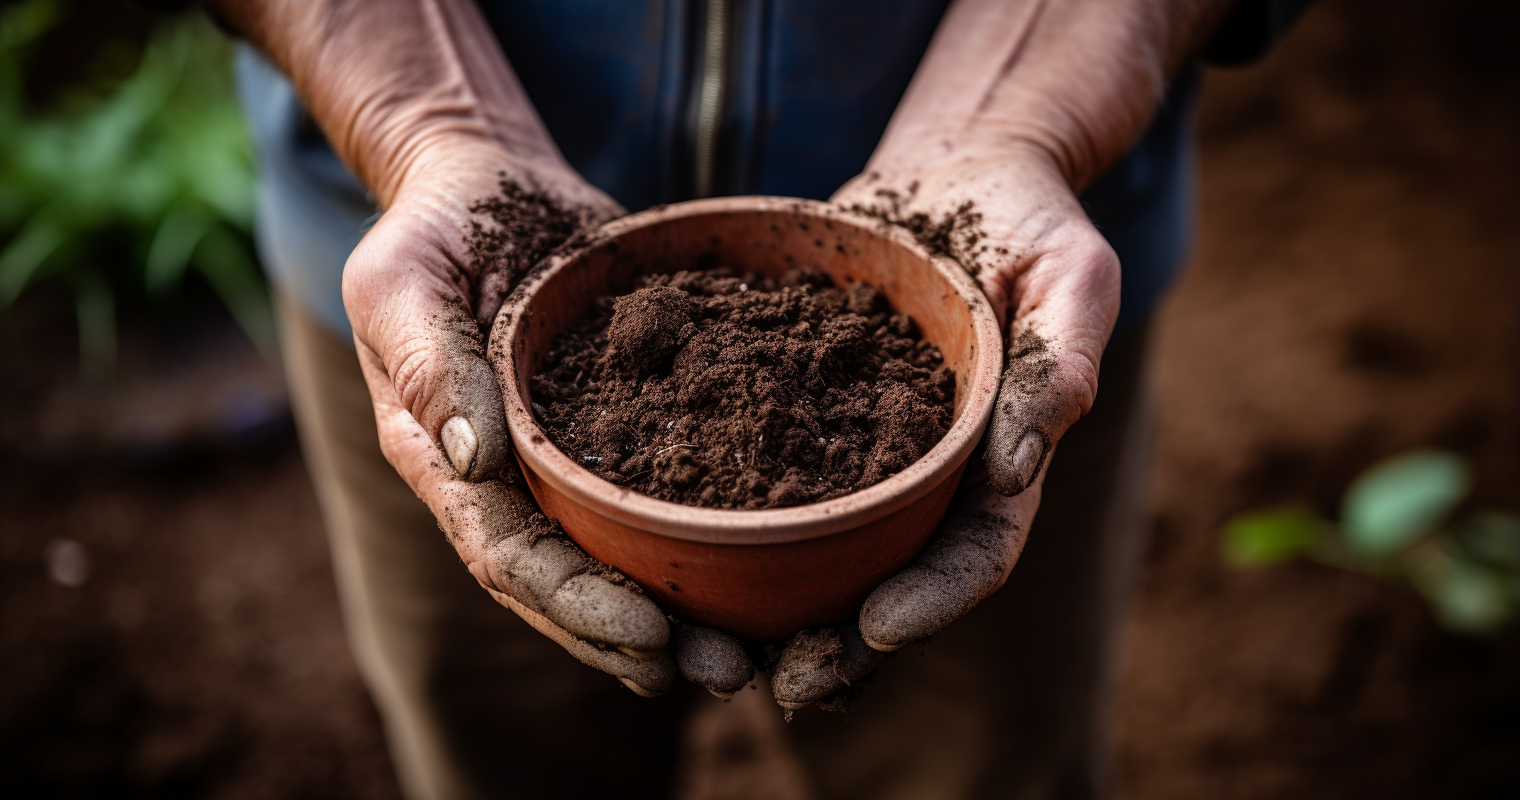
[{"x": 1354, "y": 293}]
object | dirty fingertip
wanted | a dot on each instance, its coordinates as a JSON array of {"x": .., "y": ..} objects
[
  {"x": 908, "y": 606},
  {"x": 1012, "y": 464},
  {"x": 639, "y": 655},
  {"x": 960, "y": 566},
  {"x": 713, "y": 660},
  {"x": 822, "y": 666},
  {"x": 649, "y": 678},
  {"x": 879, "y": 646},
  {"x": 599, "y": 610}
]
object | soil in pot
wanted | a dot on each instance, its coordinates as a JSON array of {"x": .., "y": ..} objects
[{"x": 728, "y": 389}]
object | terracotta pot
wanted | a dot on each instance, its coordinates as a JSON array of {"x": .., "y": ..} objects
[{"x": 760, "y": 574}]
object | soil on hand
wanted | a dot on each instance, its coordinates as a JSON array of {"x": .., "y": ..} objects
[
  {"x": 735, "y": 390},
  {"x": 511, "y": 235},
  {"x": 957, "y": 235}
]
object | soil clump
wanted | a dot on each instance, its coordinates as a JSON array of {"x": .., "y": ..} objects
[{"x": 735, "y": 390}]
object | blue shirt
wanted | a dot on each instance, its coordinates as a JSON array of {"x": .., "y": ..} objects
[{"x": 809, "y": 87}]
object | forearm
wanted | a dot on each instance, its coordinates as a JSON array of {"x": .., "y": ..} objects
[
  {"x": 1074, "y": 81},
  {"x": 390, "y": 82}
]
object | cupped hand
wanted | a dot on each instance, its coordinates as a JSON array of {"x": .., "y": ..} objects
[
  {"x": 1010, "y": 218},
  {"x": 421, "y": 289}
]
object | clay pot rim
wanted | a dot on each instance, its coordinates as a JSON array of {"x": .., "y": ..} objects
[{"x": 749, "y": 527}]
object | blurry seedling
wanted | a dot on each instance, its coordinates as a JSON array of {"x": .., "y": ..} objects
[
  {"x": 1398, "y": 521},
  {"x": 132, "y": 189}
]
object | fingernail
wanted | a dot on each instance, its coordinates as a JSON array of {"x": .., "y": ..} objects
[
  {"x": 882, "y": 647},
  {"x": 641, "y": 655},
  {"x": 459, "y": 443},
  {"x": 1027, "y": 457}
]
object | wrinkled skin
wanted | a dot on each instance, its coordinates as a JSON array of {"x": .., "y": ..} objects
[
  {"x": 418, "y": 100},
  {"x": 1016, "y": 106},
  {"x": 1041, "y": 264},
  {"x": 410, "y": 292}
]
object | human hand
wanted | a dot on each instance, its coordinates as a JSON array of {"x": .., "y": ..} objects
[
  {"x": 418, "y": 100},
  {"x": 1010, "y": 218},
  {"x": 420, "y": 290},
  {"x": 1015, "y": 107}
]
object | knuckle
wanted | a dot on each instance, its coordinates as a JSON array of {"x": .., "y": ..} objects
[
  {"x": 413, "y": 369},
  {"x": 1077, "y": 384}
]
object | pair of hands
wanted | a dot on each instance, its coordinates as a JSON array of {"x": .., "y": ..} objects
[{"x": 419, "y": 309}]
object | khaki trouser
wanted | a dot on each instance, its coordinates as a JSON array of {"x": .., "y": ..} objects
[{"x": 1009, "y": 702}]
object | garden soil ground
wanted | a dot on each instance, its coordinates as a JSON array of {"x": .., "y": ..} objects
[{"x": 1354, "y": 293}]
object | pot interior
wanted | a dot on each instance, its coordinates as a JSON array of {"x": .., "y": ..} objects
[{"x": 768, "y": 241}]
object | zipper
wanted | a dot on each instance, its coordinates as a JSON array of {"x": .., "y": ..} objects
[{"x": 710, "y": 98}]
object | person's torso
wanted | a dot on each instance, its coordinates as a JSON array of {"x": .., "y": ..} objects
[{"x": 656, "y": 101}]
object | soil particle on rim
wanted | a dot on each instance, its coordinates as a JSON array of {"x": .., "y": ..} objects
[{"x": 735, "y": 390}]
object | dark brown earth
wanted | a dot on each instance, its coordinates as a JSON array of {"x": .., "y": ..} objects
[
  {"x": 198, "y": 653},
  {"x": 1354, "y": 293},
  {"x": 735, "y": 390}
]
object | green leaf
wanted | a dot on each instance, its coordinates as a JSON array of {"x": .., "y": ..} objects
[
  {"x": 1267, "y": 537},
  {"x": 24, "y": 254},
  {"x": 129, "y": 179},
  {"x": 1491, "y": 537},
  {"x": 1394, "y": 502},
  {"x": 176, "y": 238},
  {"x": 1471, "y": 599}
]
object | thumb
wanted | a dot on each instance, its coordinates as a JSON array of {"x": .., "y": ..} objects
[
  {"x": 524, "y": 560},
  {"x": 1065, "y": 308},
  {"x": 1012, "y": 221},
  {"x": 1039, "y": 397},
  {"x": 406, "y": 297}
]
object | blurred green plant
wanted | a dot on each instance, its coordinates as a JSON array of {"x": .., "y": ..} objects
[
  {"x": 132, "y": 188},
  {"x": 1398, "y": 521}
]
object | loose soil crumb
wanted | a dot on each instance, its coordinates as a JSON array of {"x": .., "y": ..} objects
[
  {"x": 522, "y": 226},
  {"x": 735, "y": 390},
  {"x": 957, "y": 235}
]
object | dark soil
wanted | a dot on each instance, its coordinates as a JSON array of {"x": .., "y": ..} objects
[
  {"x": 190, "y": 643},
  {"x": 1355, "y": 293},
  {"x": 728, "y": 390}
]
